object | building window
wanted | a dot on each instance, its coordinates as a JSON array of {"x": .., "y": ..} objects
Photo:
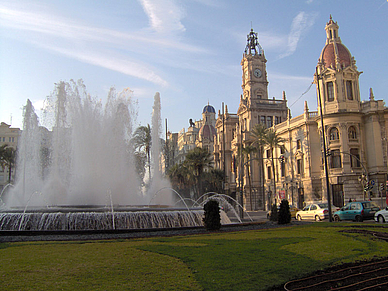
[
  {"x": 258, "y": 96},
  {"x": 349, "y": 90},
  {"x": 299, "y": 169},
  {"x": 268, "y": 154},
  {"x": 335, "y": 159},
  {"x": 278, "y": 120},
  {"x": 298, "y": 144},
  {"x": 269, "y": 121},
  {"x": 354, "y": 158},
  {"x": 352, "y": 133},
  {"x": 262, "y": 120},
  {"x": 334, "y": 134},
  {"x": 330, "y": 91},
  {"x": 269, "y": 173}
]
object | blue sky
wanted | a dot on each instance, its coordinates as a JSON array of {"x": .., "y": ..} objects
[{"x": 189, "y": 50}]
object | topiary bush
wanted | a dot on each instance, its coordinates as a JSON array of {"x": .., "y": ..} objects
[
  {"x": 284, "y": 215},
  {"x": 212, "y": 218},
  {"x": 274, "y": 213}
]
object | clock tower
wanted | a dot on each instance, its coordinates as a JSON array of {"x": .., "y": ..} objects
[
  {"x": 254, "y": 81},
  {"x": 255, "y": 107}
]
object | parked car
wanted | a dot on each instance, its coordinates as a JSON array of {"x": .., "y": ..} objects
[
  {"x": 293, "y": 211},
  {"x": 316, "y": 211},
  {"x": 382, "y": 215},
  {"x": 357, "y": 211}
]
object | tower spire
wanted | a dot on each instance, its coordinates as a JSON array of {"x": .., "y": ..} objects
[{"x": 253, "y": 47}]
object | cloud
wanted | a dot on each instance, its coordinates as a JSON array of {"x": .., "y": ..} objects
[
  {"x": 165, "y": 16},
  {"x": 46, "y": 24},
  {"x": 300, "y": 25},
  {"x": 112, "y": 62},
  {"x": 98, "y": 46}
]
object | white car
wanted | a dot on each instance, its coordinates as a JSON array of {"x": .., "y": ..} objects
[
  {"x": 315, "y": 211},
  {"x": 382, "y": 215}
]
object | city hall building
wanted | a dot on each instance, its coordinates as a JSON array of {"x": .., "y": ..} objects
[{"x": 349, "y": 133}]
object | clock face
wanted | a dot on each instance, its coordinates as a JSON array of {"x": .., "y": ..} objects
[{"x": 257, "y": 73}]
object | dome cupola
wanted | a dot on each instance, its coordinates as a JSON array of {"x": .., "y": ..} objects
[{"x": 334, "y": 55}]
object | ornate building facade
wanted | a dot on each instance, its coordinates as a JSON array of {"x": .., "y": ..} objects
[
  {"x": 201, "y": 133},
  {"x": 350, "y": 134},
  {"x": 244, "y": 177},
  {"x": 355, "y": 134}
]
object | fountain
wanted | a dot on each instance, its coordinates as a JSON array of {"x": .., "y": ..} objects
[{"x": 79, "y": 174}]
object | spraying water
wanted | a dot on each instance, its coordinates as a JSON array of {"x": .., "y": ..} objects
[
  {"x": 158, "y": 182},
  {"x": 83, "y": 151}
]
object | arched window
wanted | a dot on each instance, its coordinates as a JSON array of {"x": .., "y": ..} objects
[
  {"x": 352, "y": 133},
  {"x": 334, "y": 134}
]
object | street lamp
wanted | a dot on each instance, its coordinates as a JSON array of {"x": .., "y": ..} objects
[
  {"x": 324, "y": 147},
  {"x": 240, "y": 174}
]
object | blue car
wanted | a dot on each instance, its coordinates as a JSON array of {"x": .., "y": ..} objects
[{"x": 357, "y": 211}]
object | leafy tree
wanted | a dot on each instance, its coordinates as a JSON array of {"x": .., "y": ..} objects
[
  {"x": 284, "y": 215},
  {"x": 197, "y": 161},
  {"x": 213, "y": 181},
  {"x": 181, "y": 178},
  {"x": 7, "y": 159},
  {"x": 274, "y": 213},
  {"x": 142, "y": 142}
]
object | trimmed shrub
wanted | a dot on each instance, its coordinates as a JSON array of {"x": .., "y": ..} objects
[
  {"x": 212, "y": 219},
  {"x": 284, "y": 216},
  {"x": 274, "y": 213}
]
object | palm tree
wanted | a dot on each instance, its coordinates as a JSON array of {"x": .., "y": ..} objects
[
  {"x": 7, "y": 159},
  {"x": 213, "y": 180},
  {"x": 140, "y": 161},
  {"x": 198, "y": 160},
  {"x": 258, "y": 135},
  {"x": 273, "y": 140},
  {"x": 142, "y": 142},
  {"x": 181, "y": 178},
  {"x": 247, "y": 153}
]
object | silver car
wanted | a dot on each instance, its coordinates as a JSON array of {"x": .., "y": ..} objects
[
  {"x": 315, "y": 211},
  {"x": 382, "y": 215}
]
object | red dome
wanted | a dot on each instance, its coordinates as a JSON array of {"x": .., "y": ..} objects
[
  {"x": 329, "y": 55},
  {"x": 207, "y": 132}
]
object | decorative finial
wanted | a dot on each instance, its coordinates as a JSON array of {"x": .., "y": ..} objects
[
  {"x": 284, "y": 95},
  {"x": 371, "y": 96},
  {"x": 306, "y": 108}
]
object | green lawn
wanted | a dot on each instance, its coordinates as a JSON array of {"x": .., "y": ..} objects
[{"x": 251, "y": 260}]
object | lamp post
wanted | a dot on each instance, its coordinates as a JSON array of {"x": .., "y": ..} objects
[
  {"x": 240, "y": 174},
  {"x": 324, "y": 148}
]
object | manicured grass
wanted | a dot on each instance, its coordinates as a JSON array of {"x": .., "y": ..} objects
[{"x": 252, "y": 260}]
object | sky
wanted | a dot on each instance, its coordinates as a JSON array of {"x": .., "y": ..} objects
[{"x": 189, "y": 51}]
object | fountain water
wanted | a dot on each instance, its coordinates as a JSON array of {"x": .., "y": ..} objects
[{"x": 81, "y": 175}]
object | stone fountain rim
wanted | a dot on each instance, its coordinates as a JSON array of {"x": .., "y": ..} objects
[{"x": 96, "y": 208}]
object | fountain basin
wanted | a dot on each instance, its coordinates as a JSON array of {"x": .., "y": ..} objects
[{"x": 72, "y": 218}]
